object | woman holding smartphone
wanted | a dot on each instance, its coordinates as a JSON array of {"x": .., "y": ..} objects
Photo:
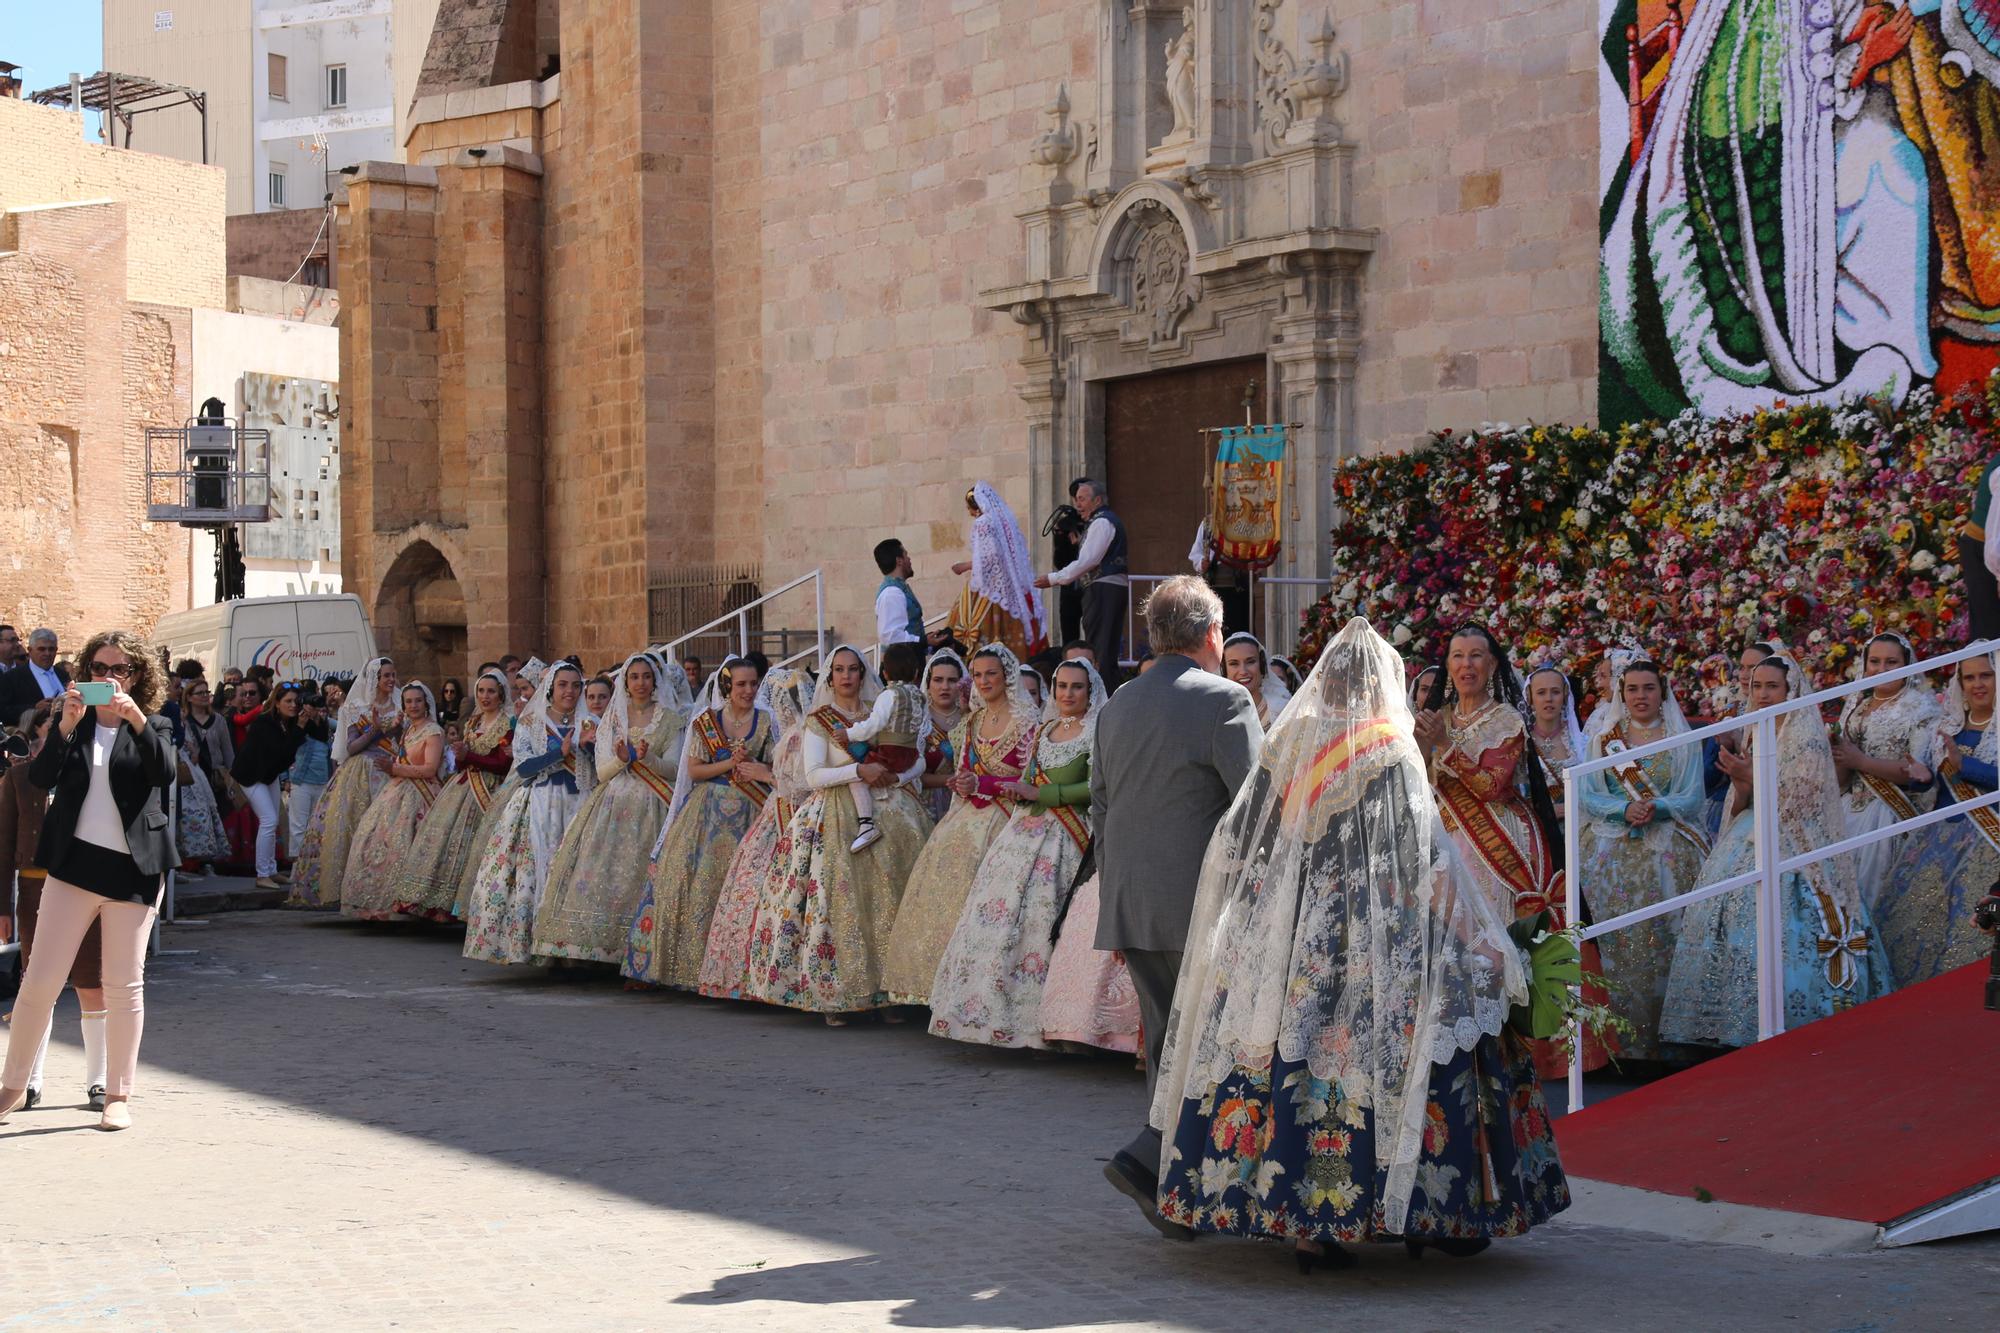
[{"x": 106, "y": 843}]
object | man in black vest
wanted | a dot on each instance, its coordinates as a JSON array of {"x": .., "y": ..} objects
[{"x": 1100, "y": 568}]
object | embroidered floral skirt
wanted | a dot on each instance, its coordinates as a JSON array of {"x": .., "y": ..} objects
[
  {"x": 199, "y": 834},
  {"x": 668, "y": 932},
  {"x": 823, "y": 921},
  {"x": 1926, "y": 915},
  {"x": 513, "y": 866},
  {"x": 1276, "y": 1152},
  {"x": 1619, "y": 875},
  {"x": 320, "y": 867},
  {"x": 368, "y": 890},
  {"x": 935, "y": 897},
  {"x": 489, "y": 825},
  {"x": 441, "y": 857},
  {"x": 726, "y": 954},
  {"x": 988, "y": 987},
  {"x": 599, "y": 873},
  {"x": 1088, "y": 997}
]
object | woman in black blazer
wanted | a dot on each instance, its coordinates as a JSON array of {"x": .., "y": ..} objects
[
  {"x": 269, "y": 746},
  {"x": 106, "y": 842}
]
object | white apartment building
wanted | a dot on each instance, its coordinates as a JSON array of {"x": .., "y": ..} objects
[{"x": 296, "y": 90}]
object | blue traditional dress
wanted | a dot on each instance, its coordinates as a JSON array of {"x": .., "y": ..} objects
[
  {"x": 1925, "y": 914},
  {"x": 514, "y": 864}
]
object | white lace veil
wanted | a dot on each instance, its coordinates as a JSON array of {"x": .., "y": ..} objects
[
  {"x": 1602, "y": 716},
  {"x": 1419, "y": 687},
  {"x": 430, "y": 700},
  {"x": 788, "y": 762},
  {"x": 1810, "y": 811},
  {"x": 1003, "y": 572},
  {"x": 1099, "y": 696},
  {"x": 616, "y": 724},
  {"x": 871, "y": 684},
  {"x": 359, "y": 704},
  {"x": 1952, "y": 720},
  {"x": 1333, "y": 926},
  {"x": 1276, "y": 693},
  {"x": 927, "y": 725},
  {"x": 531, "y": 732},
  {"x": 1019, "y": 703},
  {"x": 1860, "y": 672}
]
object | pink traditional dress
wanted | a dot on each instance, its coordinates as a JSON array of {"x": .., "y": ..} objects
[
  {"x": 368, "y": 887},
  {"x": 1087, "y": 997}
]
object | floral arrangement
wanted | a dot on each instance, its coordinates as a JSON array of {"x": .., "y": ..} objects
[{"x": 1689, "y": 538}]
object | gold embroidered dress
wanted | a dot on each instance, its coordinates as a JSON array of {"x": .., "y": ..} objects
[
  {"x": 368, "y": 891},
  {"x": 447, "y": 842},
  {"x": 1901, "y": 727}
]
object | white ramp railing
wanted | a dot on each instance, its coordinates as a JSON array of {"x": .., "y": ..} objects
[
  {"x": 1771, "y": 866},
  {"x": 740, "y": 617}
]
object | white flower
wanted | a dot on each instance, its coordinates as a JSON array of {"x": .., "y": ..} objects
[
  {"x": 1400, "y": 635},
  {"x": 1923, "y": 560}
]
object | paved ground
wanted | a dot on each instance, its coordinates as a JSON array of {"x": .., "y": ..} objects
[{"x": 351, "y": 1127}]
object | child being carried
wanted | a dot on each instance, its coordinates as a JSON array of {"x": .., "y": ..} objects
[{"x": 889, "y": 734}]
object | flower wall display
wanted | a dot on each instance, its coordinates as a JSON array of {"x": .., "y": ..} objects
[{"x": 1689, "y": 538}]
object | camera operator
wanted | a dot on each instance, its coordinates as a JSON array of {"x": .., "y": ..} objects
[{"x": 1100, "y": 569}]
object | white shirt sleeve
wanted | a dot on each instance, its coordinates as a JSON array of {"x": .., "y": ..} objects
[
  {"x": 871, "y": 726},
  {"x": 892, "y": 617},
  {"x": 821, "y": 771},
  {"x": 1096, "y": 541}
]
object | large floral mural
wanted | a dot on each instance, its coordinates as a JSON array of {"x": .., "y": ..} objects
[{"x": 1801, "y": 201}]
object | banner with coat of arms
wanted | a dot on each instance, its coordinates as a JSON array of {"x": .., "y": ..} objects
[{"x": 1244, "y": 495}]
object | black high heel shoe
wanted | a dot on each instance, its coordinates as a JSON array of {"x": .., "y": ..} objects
[
  {"x": 1458, "y": 1247},
  {"x": 1333, "y": 1256}
]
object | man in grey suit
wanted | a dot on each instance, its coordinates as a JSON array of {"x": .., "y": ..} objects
[{"x": 1172, "y": 747}]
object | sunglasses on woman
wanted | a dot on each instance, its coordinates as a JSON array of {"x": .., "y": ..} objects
[{"x": 117, "y": 671}]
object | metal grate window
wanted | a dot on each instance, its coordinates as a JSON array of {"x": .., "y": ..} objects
[{"x": 687, "y": 597}]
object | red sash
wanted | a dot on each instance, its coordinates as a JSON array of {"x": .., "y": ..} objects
[
  {"x": 1496, "y": 848},
  {"x": 655, "y": 783},
  {"x": 709, "y": 732},
  {"x": 975, "y": 764}
]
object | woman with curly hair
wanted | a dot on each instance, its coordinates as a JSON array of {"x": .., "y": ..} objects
[{"x": 106, "y": 844}]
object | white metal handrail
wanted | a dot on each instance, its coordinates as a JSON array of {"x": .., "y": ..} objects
[
  {"x": 741, "y": 615},
  {"x": 1771, "y": 866}
]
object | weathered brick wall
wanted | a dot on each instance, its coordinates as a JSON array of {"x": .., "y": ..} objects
[
  {"x": 271, "y": 245},
  {"x": 1476, "y": 127},
  {"x": 83, "y": 372},
  {"x": 894, "y": 159},
  {"x": 176, "y": 250}
]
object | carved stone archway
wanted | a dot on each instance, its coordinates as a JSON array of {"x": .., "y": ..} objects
[
  {"x": 1151, "y": 249},
  {"x": 419, "y": 614}
]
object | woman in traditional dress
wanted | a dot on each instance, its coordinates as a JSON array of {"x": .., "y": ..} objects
[
  {"x": 1336, "y": 1068},
  {"x": 994, "y": 742},
  {"x": 207, "y": 751},
  {"x": 1087, "y": 998},
  {"x": 368, "y": 890},
  {"x": 1733, "y": 701},
  {"x": 367, "y": 722},
  {"x": 727, "y": 952},
  {"x": 555, "y": 771},
  {"x": 1556, "y": 737},
  {"x": 822, "y": 927},
  {"x": 944, "y": 692},
  {"x": 428, "y": 878},
  {"x": 1474, "y": 736},
  {"x": 723, "y": 782},
  {"x": 528, "y": 682},
  {"x": 1245, "y": 662},
  {"x": 1925, "y": 917},
  {"x": 599, "y": 872},
  {"x": 1420, "y": 686},
  {"x": 1827, "y": 953},
  {"x": 988, "y": 987},
  {"x": 1000, "y": 602},
  {"x": 1603, "y": 682},
  {"x": 1643, "y": 842},
  {"x": 1884, "y": 757},
  {"x": 1286, "y": 674}
]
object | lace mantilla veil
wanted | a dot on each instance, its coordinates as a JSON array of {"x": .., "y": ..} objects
[{"x": 1333, "y": 926}]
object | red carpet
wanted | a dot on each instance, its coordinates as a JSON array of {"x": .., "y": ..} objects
[{"x": 1870, "y": 1115}]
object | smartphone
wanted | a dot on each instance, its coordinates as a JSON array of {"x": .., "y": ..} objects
[{"x": 96, "y": 693}]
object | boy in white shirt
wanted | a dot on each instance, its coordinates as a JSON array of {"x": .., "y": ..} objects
[{"x": 889, "y": 734}]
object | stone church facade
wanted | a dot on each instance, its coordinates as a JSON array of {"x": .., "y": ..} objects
[{"x": 675, "y": 295}]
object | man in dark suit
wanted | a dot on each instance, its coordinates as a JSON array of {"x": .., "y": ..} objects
[
  {"x": 39, "y": 677},
  {"x": 1172, "y": 748}
]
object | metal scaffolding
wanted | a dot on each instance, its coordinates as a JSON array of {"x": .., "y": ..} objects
[{"x": 124, "y": 97}]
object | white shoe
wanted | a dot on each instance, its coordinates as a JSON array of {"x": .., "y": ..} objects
[
  {"x": 870, "y": 835},
  {"x": 117, "y": 1115}
]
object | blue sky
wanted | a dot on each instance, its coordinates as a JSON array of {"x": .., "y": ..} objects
[{"x": 49, "y": 38}]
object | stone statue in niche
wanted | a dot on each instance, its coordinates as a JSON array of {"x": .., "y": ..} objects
[{"x": 1181, "y": 80}]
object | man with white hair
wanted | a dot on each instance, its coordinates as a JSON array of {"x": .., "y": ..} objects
[
  {"x": 1172, "y": 748},
  {"x": 39, "y": 677},
  {"x": 1102, "y": 570}
]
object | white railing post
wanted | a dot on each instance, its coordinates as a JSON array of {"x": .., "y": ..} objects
[
  {"x": 1572, "y": 915},
  {"x": 743, "y": 633},
  {"x": 1770, "y": 916}
]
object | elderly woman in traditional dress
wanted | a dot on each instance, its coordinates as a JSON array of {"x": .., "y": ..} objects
[
  {"x": 368, "y": 721},
  {"x": 386, "y": 831},
  {"x": 1000, "y": 602},
  {"x": 994, "y": 742},
  {"x": 723, "y": 782},
  {"x": 1827, "y": 953},
  {"x": 428, "y": 877},
  {"x": 1883, "y": 757},
  {"x": 727, "y": 951},
  {"x": 1475, "y": 739},
  {"x": 1643, "y": 842},
  {"x": 822, "y": 928},
  {"x": 1925, "y": 916},
  {"x": 988, "y": 987},
  {"x": 599, "y": 871},
  {"x": 556, "y": 772},
  {"x": 1245, "y": 662},
  {"x": 1337, "y": 1067}
]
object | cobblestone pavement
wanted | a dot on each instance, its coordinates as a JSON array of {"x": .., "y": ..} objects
[{"x": 351, "y": 1127}]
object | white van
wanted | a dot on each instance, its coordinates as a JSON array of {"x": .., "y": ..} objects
[{"x": 300, "y": 638}]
